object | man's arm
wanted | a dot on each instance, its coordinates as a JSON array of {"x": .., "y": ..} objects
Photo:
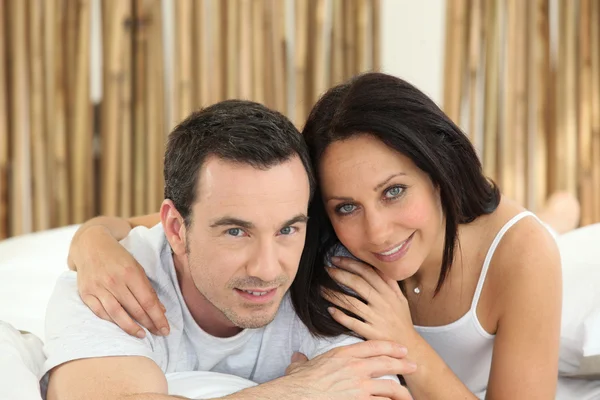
[
  {"x": 344, "y": 373},
  {"x": 108, "y": 378}
]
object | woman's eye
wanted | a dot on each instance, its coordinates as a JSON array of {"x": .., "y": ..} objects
[
  {"x": 393, "y": 192},
  {"x": 345, "y": 208},
  {"x": 235, "y": 232}
]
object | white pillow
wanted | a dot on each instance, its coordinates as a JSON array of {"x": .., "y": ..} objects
[
  {"x": 205, "y": 385},
  {"x": 29, "y": 267},
  {"x": 580, "y": 335}
]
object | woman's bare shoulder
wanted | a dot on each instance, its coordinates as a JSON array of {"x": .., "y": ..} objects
[{"x": 527, "y": 250}]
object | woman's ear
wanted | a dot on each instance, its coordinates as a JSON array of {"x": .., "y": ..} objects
[{"x": 174, "y": 227}]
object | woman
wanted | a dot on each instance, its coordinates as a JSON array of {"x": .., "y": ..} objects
[{"x": 468, "y": 280}]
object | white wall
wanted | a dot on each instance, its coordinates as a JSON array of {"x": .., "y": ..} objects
[{"x": 413, "y": 42}]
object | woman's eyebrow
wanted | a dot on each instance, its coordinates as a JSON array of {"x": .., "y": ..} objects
[{"x": 389, "y": 178}]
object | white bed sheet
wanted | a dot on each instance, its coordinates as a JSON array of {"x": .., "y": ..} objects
[{"x": 29, "y": 267}]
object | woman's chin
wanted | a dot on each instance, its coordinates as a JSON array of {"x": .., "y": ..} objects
[{"x": 399, "y": 270}]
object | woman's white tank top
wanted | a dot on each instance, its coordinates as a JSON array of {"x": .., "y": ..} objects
[{"x": 464, "y": 345}]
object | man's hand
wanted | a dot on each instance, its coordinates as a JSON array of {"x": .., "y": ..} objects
[{"x": 344, "y": 373}]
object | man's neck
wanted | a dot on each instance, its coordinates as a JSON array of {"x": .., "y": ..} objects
[{"x": 207, "y": 316}]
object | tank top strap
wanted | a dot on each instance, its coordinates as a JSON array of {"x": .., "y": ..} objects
[{"x": 492, "y": 250}]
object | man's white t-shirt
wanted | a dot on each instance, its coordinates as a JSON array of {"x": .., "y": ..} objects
[{"x": 74, "y": 332}]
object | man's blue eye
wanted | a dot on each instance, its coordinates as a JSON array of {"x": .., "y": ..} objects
[
  {"x": 288, "y": 230},
  {"x": 235, "y": 231}
]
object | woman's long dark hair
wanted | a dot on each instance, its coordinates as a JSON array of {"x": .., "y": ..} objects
[{"x": 405, "y": 119}]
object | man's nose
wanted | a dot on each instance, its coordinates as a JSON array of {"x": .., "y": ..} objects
[{"x": 265, "y": 263}]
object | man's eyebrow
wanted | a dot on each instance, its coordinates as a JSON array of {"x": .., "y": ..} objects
[
  {"x": 302, "y": 218},
  {"x": 229, "y": 221}
]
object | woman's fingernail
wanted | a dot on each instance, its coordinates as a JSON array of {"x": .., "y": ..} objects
[
  {"x": 164, "y": 331},
  {"x": 412, "y": 365},
  {"x": 141, "y": 334},
  {"x": 331, "y": 310},
  {"x": 403, "y": 351},
  {"x": 335, "y": 259}
]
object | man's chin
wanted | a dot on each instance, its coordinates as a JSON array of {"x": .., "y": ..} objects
[
  {"x": 255, "y": 321},
  {"x": 254, "y": 318}
]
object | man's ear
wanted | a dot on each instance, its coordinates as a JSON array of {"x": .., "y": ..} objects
[{"x": 174, "y": 226}]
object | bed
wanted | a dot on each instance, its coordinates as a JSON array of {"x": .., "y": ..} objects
[{"x": 30, "y": 264}]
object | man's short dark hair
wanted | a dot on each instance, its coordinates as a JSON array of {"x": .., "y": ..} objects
[{"x": 234, "y": 130}]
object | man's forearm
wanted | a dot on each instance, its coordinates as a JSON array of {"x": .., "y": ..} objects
[
  {"x": 151, "y": 396},
  {"x": 282, "y": 388}
]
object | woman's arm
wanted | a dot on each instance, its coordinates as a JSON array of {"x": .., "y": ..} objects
[
  {"x": 526, "y": 349},
  {"x": 115, "y": 227},
  {"x": 110, "y": 282}
]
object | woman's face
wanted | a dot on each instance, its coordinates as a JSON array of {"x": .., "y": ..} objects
[{"x": 384, "y": 209}]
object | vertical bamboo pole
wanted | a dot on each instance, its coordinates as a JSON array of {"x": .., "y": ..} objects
[
  {"x": 200, "y": 73},
  {"x": 267, "y": 39},
  {"x": 300, "y": 59},
  {"x": 279, "y": 45},
  {"x": 337, "y": 43},
  {"x": 258, "y": 51},
  {"x": 507, "y": 138},
  {"x": 376, "y": 34},
  {"x": 492, "y": 76},
  {"x": 183, "y": 79},
  {"x": 455, "y": 55},
  {"x": 41, "y": 211},
  {"x": 540, "y": 79},
  {"x": 245, "y": 51},
  {"x": 218, "y": 51},
  {"x": 4, "y": 132},
  {"x": 142, "y": 19},
  {"x": 233, "y": 48},
  {"x": 349, "y": 45},
  {"x": 585, "y": 123},
  {"x": 69, "y": 36},
  {"x": 475, "y": 38},
  {"x": 558, "y": 169},
  {"x": 117, "y": 11},
  {"x": 156, "y": 128},
  {"x": 125, "y": 116},
  {"x": 595, "y": 107},
  {"x": 82, "y": 127},
  {"x": 319, "y": 82},
  {"x": 153, "y": 143},
  {"x": 520, "y": 105},
  {"x": 570, "y": 132},
  {"x": 60, "y": 166},
  {"x": 19, "y": 189},
  {"x": 360, "y": 37},
  {"x": 50, "y": 53}
]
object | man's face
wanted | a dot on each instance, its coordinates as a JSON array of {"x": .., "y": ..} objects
[{"x": 246, "y": 237}]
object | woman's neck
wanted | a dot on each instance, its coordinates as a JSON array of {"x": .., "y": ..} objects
[{"x": 426, "y": 277}]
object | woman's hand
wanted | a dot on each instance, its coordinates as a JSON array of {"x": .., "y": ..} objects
[
  {"x": 113, "y": 285},
  {"x": 386, "y": 315}
]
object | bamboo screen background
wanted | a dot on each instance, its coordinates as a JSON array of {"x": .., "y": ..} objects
[
  {"x": 523, "y": 78},
  {"x": 71, "y": 148}
]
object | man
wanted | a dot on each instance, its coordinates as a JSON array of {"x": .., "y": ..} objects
[{"x": 233, "y": 225}]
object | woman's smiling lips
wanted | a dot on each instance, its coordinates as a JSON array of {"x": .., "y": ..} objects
[{"x": 395, "y": 253}]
